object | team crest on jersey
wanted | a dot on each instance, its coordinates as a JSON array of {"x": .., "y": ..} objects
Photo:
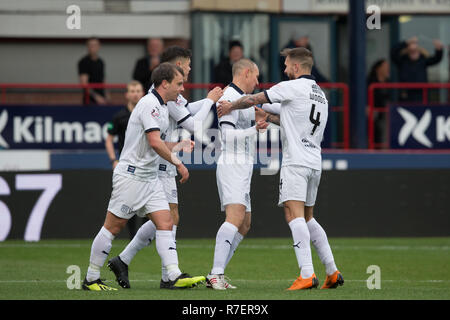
[{"x": 155, "y": 113}]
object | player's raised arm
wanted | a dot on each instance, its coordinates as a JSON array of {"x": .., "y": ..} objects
[
  {"x": 225, "y": 107},
  {"x": 213, "y": 96},
  {"x": 199, "y": 110}
]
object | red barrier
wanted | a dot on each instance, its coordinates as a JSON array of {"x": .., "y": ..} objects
[
  {"x": 394, "y": 85},
  {"x": 343, "y": 108}
]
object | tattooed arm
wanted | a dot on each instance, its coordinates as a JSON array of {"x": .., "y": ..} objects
[
  {"x": 274, "y": 118},
  {"x": 225, "y": 107}
]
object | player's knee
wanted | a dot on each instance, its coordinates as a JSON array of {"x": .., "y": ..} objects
[
  {"x": 245, "y": 228},
  {"x": 308, "y": 213},
  {"x": 174, "y": 213},
  {"x": 114, "y": 224},
  {"x": 114, "y": 229},
  {"x": 163, "y": 220}
]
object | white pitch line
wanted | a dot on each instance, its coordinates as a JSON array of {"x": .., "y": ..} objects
[{"x": 242, "y": 246}]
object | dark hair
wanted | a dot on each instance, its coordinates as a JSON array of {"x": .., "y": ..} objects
[
  {"x": 165, "y": 71},
  {"x": 373, "y": 71},
  {"x": 302, "y": 55},
  {"x": 235, "y": 43},
  {"x": 92, "y": 38},
  {"x": 175, "y": 52}
]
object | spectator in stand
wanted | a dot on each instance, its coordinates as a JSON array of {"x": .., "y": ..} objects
[
  {"x": 300, "y": 40},
  {"x": 412, "y": 62},
  {"x": 91, "y": 69},
  {"x": 379, "y": 73},
  {"x": 223, "y": 71},
  {"x": 145, "y": 65}
]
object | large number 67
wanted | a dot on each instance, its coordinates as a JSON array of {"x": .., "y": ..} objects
[{"x": 50, "y": 183}]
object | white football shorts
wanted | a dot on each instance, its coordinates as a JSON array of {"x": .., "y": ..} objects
[
  {"x": 299, "y": 183},
  {"x": 233, "y": 184},
  {"x": 131, "y": 197},
  {"x": 170, "y": 188}
]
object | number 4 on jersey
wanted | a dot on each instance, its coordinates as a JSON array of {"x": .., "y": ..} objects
[{"x": 314, "y": 121}]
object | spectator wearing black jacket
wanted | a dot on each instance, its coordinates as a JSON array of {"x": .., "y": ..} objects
[
  {"x": 379, "y": 73},
  {"x": 223, "y": 71},
  {"x": 145, "y": 65},
  {"x": 91, "y": 69},
  {"x": 412, "y": 62}
]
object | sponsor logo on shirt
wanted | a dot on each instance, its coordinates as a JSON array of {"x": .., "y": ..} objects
[
  {"x": 155, "y": 113},
  {"x": 308, "y": 144}
]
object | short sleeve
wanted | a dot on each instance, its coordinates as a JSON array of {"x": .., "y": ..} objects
[
  {"x": 150, "y": 118},
  {"x": 113, "y": 126},
  {"x": 278, "y": 93},
  {"x": 230, "y": 118},
  {"x": 178, "y": 112},
  {"x": 83, "y": 66},
  {"x": 230, "y": 94}
]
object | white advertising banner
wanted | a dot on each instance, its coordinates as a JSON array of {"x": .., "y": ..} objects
[{"x": 24, "y": 160}]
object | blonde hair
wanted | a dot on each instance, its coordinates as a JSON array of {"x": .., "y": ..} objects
[{"x": 242, "y": 64}]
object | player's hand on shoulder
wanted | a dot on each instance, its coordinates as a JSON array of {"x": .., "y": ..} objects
[
  {"x": 183, "y": 171},
  {"x": 223, "y": 108},
  {"x": 215, "y": 94}
]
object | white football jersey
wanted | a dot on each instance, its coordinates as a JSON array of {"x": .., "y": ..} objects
[
  {"x": 138, "y": 159},
  {"x": 177, "y": 114},
  {"x": 303, "y": 117},
  {"x": 244, "y": 146}
]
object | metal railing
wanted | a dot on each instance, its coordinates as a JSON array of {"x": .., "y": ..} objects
[
  {"x": 342, "y": 107},
  {"x": 424, "y": 87}
]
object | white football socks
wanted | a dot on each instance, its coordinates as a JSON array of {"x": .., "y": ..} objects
[
  {"x": 99, "y": 253},
  {"x": 164, "y": 274},
  {"x": 144, "y": 236},
  {"x": 224, "y": 241},
  {"x": 302, "y": 248},
  {"x": 237, "y": 239},
  {"x": 320, "y": 242},
  {"x": 167, "y": 250}
]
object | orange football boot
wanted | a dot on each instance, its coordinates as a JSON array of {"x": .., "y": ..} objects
[
  {"x": 333, "y": 281},
  {"x": 308, "y": 283}
]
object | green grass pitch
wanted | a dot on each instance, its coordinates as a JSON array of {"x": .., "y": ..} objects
[{"x": 262, "y": 269}]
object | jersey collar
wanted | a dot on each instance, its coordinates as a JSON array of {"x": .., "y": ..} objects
[
  {"x": 235, "y": 87},
  {"x": 307, "y": 76},
  {"x": 161, "y": 101}
]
